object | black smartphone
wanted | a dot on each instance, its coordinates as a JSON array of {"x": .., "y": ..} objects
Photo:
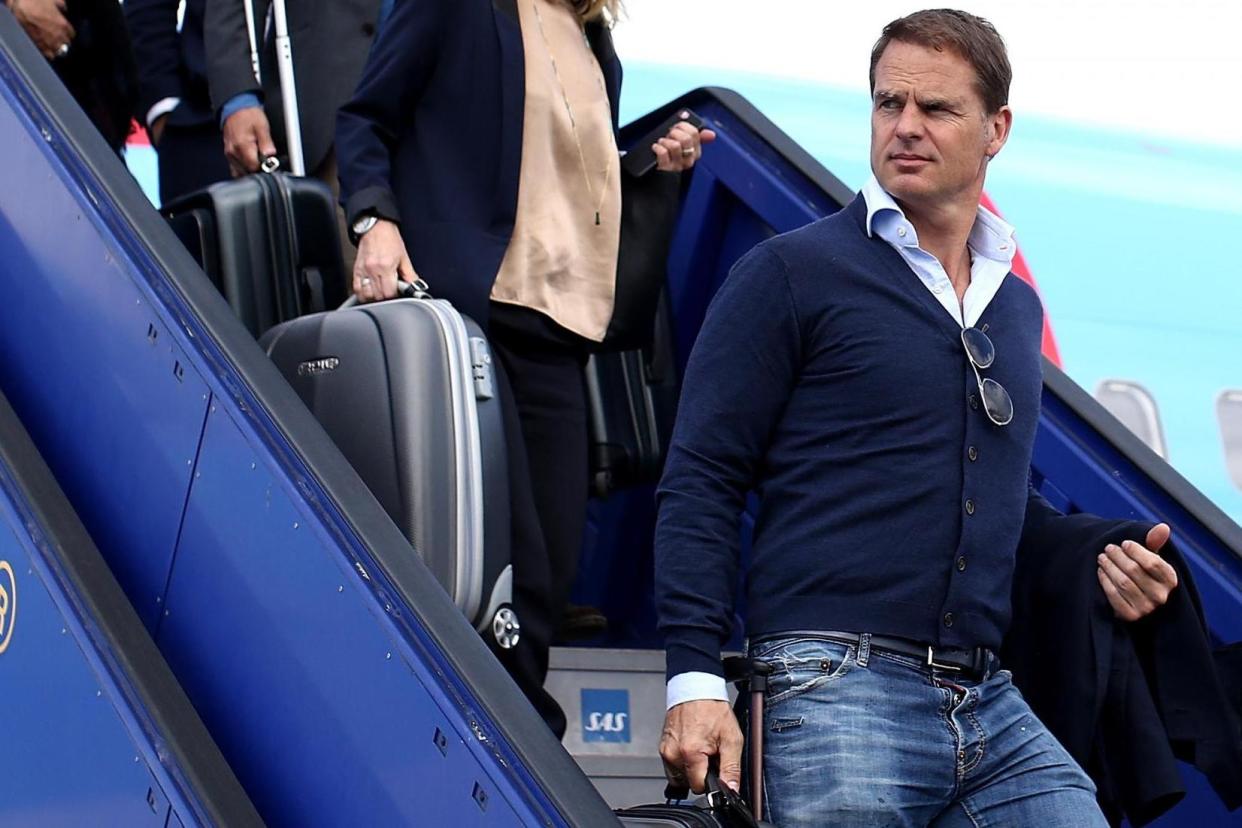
[{"x": 642, "y": 160}]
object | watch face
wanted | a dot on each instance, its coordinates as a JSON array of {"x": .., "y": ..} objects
[{"x": 364, "y": 224}]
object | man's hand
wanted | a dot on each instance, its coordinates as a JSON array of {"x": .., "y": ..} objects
[
  {"x": 1136, "y": 580},
  {"x": 695, "y": 731},
  {"x": 247, "y": 140},
  {"x": 156, "y": 130},
  {"x": 45, "y": 22},
  {"x": 682, "y": 146},
  {"x": 381, "y": 260}
]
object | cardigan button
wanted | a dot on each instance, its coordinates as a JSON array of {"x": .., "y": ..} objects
[
  {"x": 948, "y": 619},
  {"x": 972, "y": 453},
  {"x": 970, "y": 506},
  {"x": 974, "y": 402},
  {"x": 961, "y": 564}
]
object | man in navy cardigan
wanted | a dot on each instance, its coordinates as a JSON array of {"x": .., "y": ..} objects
[{"x": 875, "y": 377}]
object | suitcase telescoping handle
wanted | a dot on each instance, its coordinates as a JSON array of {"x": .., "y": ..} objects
[
  {"x": 417, "y": 289},
  {"x": 288, "y": 89}
]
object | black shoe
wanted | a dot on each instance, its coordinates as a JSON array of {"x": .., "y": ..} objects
[{"x": 580, "y": 623}]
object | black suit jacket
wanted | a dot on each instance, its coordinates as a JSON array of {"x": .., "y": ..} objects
[
  {"x": 330, "y": 40},
  {"x": 433, "y": 137},
  {"x": 171, "y": 63},
  {"x": 1126, "y": 700}
]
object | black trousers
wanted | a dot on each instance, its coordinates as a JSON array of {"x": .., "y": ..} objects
[
  {"x": 190, "y": 158},
  {"x": 546, "y": 430}
]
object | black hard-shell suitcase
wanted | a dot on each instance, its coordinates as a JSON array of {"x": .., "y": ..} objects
[
  {"x": 407, "y": 389},
  {"x": 631, "y": 405},
  {"x": 269, "y": 242},
  {"x": 719, "y": 808}
]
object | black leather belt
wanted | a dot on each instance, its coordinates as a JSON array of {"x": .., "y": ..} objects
[{"x": 976, "y": 663}]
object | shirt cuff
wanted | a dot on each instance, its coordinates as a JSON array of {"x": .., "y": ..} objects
[
  {"x": 162, "y": 107},
  {"x": 685, "y": 687},
  {"x": 243, "y": 100}
]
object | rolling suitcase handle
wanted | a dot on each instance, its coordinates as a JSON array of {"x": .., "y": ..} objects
[
  {"x": 405, "y": 290},
  {"x": 288, "y": 88}
]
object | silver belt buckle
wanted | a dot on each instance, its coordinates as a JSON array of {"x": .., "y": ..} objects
[{"x": 931, "y": 662}]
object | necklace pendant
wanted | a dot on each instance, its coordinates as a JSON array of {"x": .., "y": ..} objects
[{"x": 597, "y": 218}]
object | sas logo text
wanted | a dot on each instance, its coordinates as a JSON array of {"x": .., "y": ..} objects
[{"x": 605, "y": 715}]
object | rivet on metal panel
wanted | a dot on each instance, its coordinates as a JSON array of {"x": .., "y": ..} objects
[
  {"x": 98, "y": 693},
  {"x": 388, "y": 656},
  {"x": 136, "y": 760},
  {"x": 197, "y": 475},
  {"x": 340, "y": 589},
  {"x": 253, "y": 466},
  {"x": 63, "y": 631},
  {"x": 387, "y": 607},
  {"x": 204, "y": 398},
  {"x": 189, "y": 462},
  {"x": 295, "y": 524},
  {"x": 480, "y": 796},
  {"x": 159, "y": 599},
  {"x": 165, "y": 613},
  {"x": 213, "y": 409}
]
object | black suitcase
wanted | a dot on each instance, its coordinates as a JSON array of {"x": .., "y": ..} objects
[
  {"x": 408, "y": 391},
  {"x": 719, "y": 808},
  {"x": 631, "y": 405},
  {"x": 269, "y": 242}
]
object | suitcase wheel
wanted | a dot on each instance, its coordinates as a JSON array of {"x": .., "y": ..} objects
[{"x": 506, "y": 628}]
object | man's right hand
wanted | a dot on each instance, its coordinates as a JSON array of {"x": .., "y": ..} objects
[
  {"x": 247, "y": 140},
  {"x": 695, "y": 731},
  {"x": 381, "y": 261}
]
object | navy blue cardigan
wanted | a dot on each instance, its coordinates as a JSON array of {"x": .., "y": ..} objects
[
  {"x": 433, "y": 137},
  {"x": 828, "y": 378}
]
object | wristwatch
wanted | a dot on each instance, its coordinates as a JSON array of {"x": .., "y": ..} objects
[{"x": 362, "y": 224}]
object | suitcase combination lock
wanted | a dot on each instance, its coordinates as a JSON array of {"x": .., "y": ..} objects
[{"x": 481, "y": 369}]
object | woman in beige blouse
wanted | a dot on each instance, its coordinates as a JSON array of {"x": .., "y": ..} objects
[{"x": 479, "y": 153}]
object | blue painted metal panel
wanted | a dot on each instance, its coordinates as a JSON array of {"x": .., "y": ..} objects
[
  {"x": 263, "y": 592},
  {"x": 68, "y": 758},
  {"x": 75, "y": 752},
  {"x": 121, "y": 441}
]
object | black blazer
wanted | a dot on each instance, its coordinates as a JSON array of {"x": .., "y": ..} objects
[
  {"x": 433, "y": 137},
  {"x": 171, "y": 63},
  {"x": 330, "y": 39},
  {"x": 1126, "y": 700}
]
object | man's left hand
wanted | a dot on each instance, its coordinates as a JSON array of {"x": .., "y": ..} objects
[
  {"x": 1136, "y": 580},
  {"x": 682, "y": 146}
]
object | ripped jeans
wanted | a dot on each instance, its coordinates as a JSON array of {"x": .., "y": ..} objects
[{"x": 858, "y": 737}]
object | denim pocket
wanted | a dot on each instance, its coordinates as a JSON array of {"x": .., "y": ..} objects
[{"x": 800, "y": 665}]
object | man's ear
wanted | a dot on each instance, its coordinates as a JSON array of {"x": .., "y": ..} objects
[{"x": 1000, "y": 123}]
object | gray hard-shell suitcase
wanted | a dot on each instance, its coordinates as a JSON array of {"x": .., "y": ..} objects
[{"x": 408, "y": 391}]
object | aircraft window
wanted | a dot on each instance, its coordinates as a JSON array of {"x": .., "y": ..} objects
[
  {"x": 1135, "y": 407},
  {"x": 1229, "y": 412}
]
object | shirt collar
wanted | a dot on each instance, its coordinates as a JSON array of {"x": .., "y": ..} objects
[{"x": 991, "y": 236}]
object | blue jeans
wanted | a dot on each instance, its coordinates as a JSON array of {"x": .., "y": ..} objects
[{"x": 858, "y": 737}]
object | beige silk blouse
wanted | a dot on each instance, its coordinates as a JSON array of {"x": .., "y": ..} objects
[{"x": 559, "y": 261}]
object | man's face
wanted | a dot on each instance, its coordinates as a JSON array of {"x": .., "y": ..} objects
[{"x": 930, "y": 134}]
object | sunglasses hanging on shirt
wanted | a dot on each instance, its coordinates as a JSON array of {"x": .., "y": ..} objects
[{"x": 982, "y": 353}]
